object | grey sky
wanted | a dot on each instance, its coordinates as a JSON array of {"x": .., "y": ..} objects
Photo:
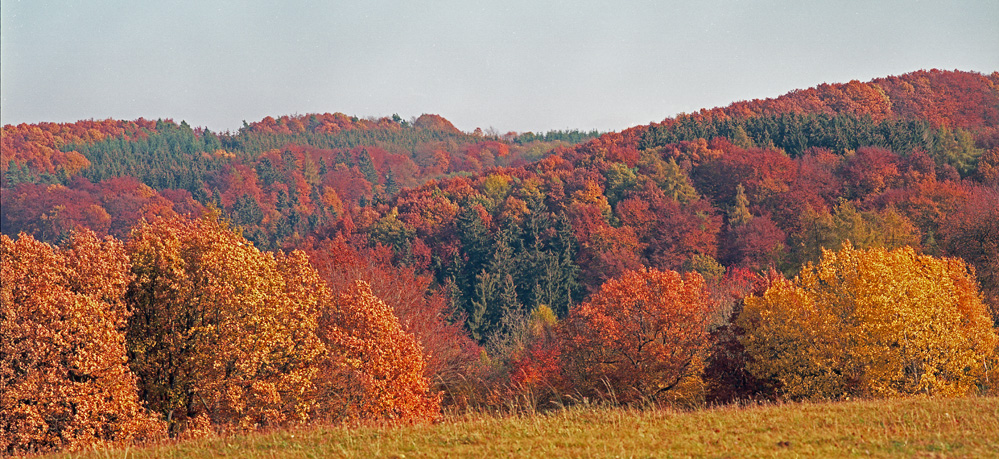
[{"x": 512, "y": 65}]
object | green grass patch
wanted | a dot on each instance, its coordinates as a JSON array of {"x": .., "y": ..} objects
[{"x": 919, "y": 427}]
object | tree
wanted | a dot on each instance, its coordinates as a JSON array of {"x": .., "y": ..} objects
[
  {"x": 988, "y": 167},
  {"x": 222, "y": 333},
  {"x": 643, "y": 336},
  {"x": 870, "y": 171},
  {"x": 738, "y": 214},
  {"x": 972, "y": 233},
  {"x": 863, "y": 229},
  {"x": 373, "y": 369},
  {"x": 64, "y": 382},
  {"x": 422, "y": 311},
  {"x": 757, "y": 244},
  {"x": 870, "y": 323},
  {"x": 367, "y": 167},
  {"x": 667, "y": 176}
]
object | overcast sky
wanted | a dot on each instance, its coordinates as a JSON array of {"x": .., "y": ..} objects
[{"x": 511, "y": 65}]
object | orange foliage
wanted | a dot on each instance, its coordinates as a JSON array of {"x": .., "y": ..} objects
[
  {"x": 374, "y": 370},
  {"x": 448, "y": 351},
  {"x": 64, "y": 383},
  {"x": 435, "y": 123},
  {"x": 642, "y": 337},
  {"x": 38, "y": 145}
]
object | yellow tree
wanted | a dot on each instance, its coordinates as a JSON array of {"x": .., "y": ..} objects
[
  {"x": 64, "y": 381},
  {"x": 870, "y": 322},
  {"x": 221, "y": 333},
  {"x": 374, "y": 369}
]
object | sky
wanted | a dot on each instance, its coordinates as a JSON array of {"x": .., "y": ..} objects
[{"x": 531, "y": 65}]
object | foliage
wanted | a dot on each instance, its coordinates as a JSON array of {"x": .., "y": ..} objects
[
  {"x": 463, "y": 235},
  {"x": 972, "y": 233},
  {"x": 872, "y": 323},
  {"x": 862, "y": 229},
  {"x": 64, "y": 382},
  {"x": 425, "y": 313},
  {"x": 640, "y": 337},
  {"x": 373, "y": 369},
  {"x": 221, "y": 330}
]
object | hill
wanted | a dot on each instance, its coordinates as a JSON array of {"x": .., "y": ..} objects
[{"x": 903, "y": 160}]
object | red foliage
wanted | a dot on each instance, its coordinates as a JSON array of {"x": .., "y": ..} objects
[
  {"x": 870, "y": 171},
  {"x": 757, "y": 245},
  {"x": 945, "y": 98},
  {"x": 972, "y": 232},
  {"x": 681, "y": 232},
  {"x": 113, "y": 207},
  {"x": 640, "y": 338},
  {"x": 764, "y": 173}
]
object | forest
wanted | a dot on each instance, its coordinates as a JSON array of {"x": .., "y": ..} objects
[{"x": 163, "y": 281}]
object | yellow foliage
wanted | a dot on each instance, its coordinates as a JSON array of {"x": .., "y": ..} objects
[
  {"x": 870, "y": 322},
  {"x": 221, "y": 329}
]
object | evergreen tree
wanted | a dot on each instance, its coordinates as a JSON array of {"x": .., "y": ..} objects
[{"x": 738, "y": 214}]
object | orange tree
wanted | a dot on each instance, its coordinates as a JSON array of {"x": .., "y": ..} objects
[
  {"x": 221, "y": 333},
  {"x": 448, "y": 351},
  {"x": 373, "y": 369},
  {"x": 870, "y": 322},
  {"x": 64, "y": 382},
  {"x": 641, "y": 337}
]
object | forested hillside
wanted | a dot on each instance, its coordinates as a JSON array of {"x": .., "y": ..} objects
[
  {"x": 643, "y": 265},
  {"x": 279, "y": 179}
]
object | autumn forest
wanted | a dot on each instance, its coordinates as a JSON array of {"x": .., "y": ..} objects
[{"x": 166, "y": 281}]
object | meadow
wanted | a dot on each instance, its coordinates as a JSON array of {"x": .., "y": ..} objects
[{"x": 915, "y": 427}]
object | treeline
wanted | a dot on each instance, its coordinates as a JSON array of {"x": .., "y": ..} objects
[
  {"x": 187, "y": 330},
  {"x": 756, "y": 184},
  {"x": 796, "y": 133}
]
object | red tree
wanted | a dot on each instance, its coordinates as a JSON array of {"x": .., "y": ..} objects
[{"x": 642, "y": 337}]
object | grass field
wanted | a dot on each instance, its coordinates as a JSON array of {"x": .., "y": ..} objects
[{"x": 967, "y": 427}]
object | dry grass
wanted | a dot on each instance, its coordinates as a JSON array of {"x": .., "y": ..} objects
[{"x": 967, "y": 427}]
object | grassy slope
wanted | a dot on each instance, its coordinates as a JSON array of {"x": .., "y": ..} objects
[{"x": 894, "y": 428}]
